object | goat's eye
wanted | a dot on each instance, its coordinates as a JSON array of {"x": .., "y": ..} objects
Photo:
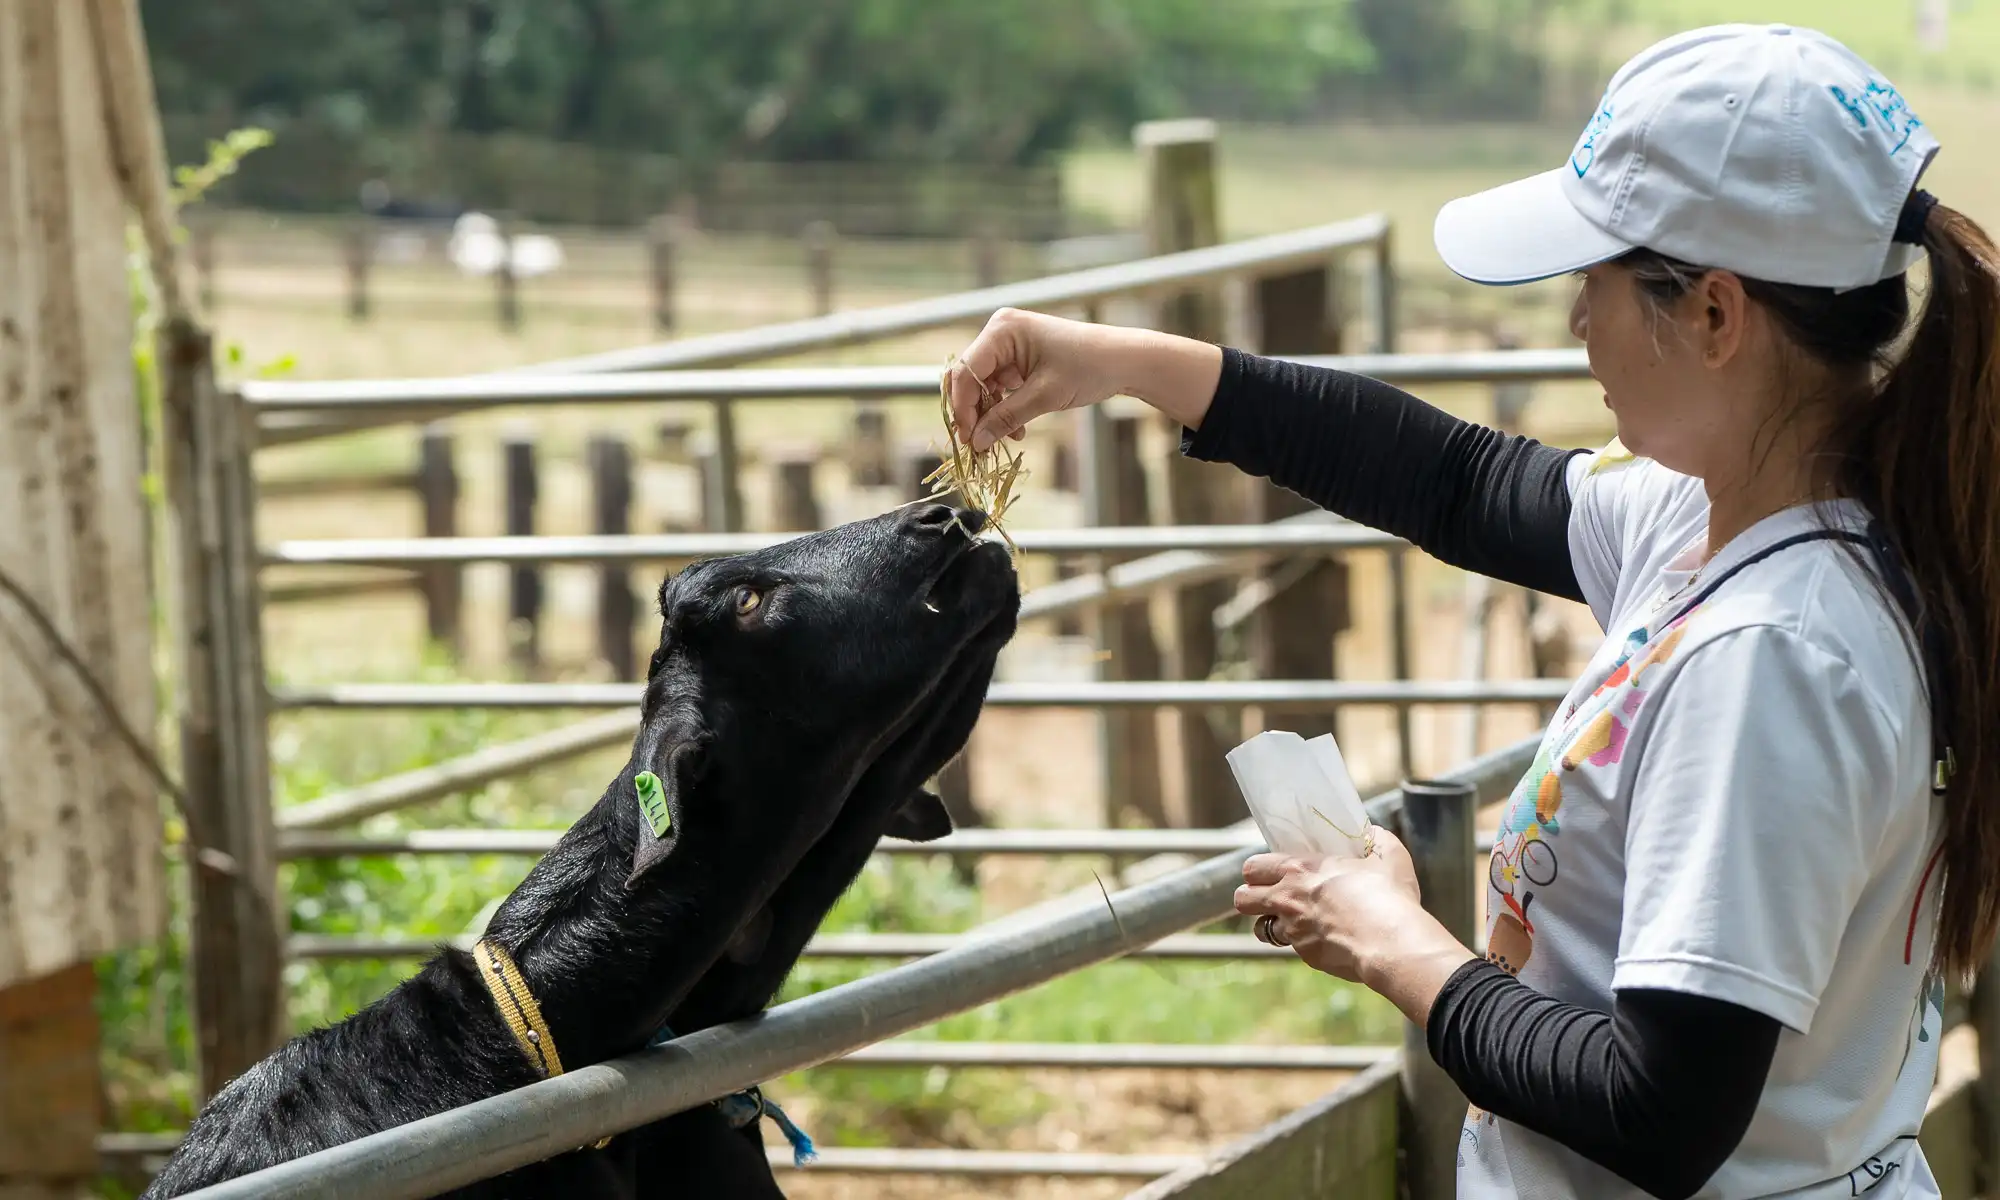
[{"x": 747, "y": 600}]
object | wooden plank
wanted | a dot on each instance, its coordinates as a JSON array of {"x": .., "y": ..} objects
[
  {"x": 236, "y": 953},
  {"x": 49, "y": 1105},
  {"x": 1179, "y": 158},
  {"x": 1130, "y": 767},
  {"x": 80, "y": 863},
  {"x": 610, "y": 460},
  {"x": 1342, "y": 1146}
]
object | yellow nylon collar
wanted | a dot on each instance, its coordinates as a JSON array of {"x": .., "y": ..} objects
[{"x": 518, "y": 1009}]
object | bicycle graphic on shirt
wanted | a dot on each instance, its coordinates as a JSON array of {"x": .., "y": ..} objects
[{"x": 1515, "y": 870}]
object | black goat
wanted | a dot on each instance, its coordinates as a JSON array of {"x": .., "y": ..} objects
[{"x": 799, "y": 698}]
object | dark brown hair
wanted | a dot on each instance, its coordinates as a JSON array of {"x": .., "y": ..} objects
[{"x": 1913, "y": 434}]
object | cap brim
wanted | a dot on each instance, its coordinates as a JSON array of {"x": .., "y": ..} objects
[{"x": 1520, "y": 232}]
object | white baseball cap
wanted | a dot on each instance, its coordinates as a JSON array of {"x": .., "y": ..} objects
[{"x": 1768, "y": 150}]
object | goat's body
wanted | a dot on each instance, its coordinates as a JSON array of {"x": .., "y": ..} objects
[{"x": 787, "y": 735}]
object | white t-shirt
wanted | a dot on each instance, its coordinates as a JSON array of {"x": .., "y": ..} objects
[{"x": 1736, "y": 804}]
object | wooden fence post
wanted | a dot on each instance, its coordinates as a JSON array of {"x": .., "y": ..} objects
[
  {"x": 1182, "y": 214},
  {"x": 1130, "y": 737},
  {"x": 360, "y": 256},
  {"x": 1437, "y": 828},
  {"x": 985, "y": 257},
  {"x": 201, "y": 244},
  {"x": 443, "y": 584},
  {"x": 916, "y": 460},
  {"x": 661, "y": 244},
  {"x": 610, "y": 460},
  {"x": 818, "y": 239},
  {"x": 236, "y": 948},
  {"x": 794, "y": 503},
  {"x": 507, "y": 286},
  {"x": 869, "y": 450},
  {"x": 51, "y": 1111},
  {"x": 524, "y": 580},
  {"x": 1292, "y": 634},
  {"x": 722, "y": 485}
]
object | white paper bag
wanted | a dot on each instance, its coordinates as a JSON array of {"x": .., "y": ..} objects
[{"x": 1300, "y": 794}]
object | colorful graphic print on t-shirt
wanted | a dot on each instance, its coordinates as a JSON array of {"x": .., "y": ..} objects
[{"x": 1594, "y": 732}]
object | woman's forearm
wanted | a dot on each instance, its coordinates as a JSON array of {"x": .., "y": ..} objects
[{"x": 1175, "y": 375}]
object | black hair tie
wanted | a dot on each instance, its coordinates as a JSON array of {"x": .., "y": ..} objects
[{"x": 1915, "y": 216}]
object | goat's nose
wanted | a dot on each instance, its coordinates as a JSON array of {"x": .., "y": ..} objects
[{"x": 937, "y": 518}]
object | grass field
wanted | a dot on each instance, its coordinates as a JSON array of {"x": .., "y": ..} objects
[{"x": 1029, "y": 768}]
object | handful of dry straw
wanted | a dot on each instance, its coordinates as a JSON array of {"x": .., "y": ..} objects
[{"x": 985, "y": 481}]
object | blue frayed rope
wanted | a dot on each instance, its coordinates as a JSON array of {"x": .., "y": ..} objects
[{"x": 744, "y": 1107}]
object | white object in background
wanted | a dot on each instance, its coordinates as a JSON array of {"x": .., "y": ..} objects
[
  {"x": 1300, "y": 794},
  {"x": 476, "y": 248}
]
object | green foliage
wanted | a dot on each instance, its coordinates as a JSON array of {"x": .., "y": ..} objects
[{"x": 909, "y": 80}]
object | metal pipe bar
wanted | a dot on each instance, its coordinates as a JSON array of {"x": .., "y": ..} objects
[
  {"x": 639, "y": 548},
  {"x": 871, "y": 1160},
  {"x": 427, "y": 397},
  {"x": 463, "y": 773},
  {"x": 1193, "y": 693},
  {"x": 1192, "y": 1056},
  {"x": 964, "y": 841},
  {"x": 1195, "y": 947},
  {"x": 146, "y": 1151},
  {"x": 495, "y": 1135},
  {"x": 983, "y": 842}
]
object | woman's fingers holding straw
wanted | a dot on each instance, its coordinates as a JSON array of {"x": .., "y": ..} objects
[{"x": 1022, "y": 366}]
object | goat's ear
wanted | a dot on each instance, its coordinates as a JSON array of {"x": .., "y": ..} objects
[
  {"x": 922, "y": 818},
  {"x": 657, "y": 805}
]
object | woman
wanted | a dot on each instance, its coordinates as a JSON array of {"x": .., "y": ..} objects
[{"x": 1764, "y": 823}]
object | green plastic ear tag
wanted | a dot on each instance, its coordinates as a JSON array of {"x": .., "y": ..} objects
[{"x": 653, "y": 803}]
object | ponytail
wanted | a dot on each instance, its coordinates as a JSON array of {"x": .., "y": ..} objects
[
  {"x": 1915, "y": 438},
  {"x": 1925, "y": 457}
]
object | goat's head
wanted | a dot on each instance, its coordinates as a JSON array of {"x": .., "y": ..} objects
[{"x": 783, "y": 674}]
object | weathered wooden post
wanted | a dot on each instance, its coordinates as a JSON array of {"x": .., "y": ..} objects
[
  {"x": 360, "y": 246},
  {"x": 1292, "y": 634},
  {"x": 662, "y": 237},
  {"x": 722, "y": 486},
  {"x": 1182, "y": 214},
  {"x": 524, "y": 580},
  {"x": 1437, "y": 828},
  {"x": 868, "y": 452},
  {"x": 1131, "y": 760},
  {"x": 985, "y": 257},
  {"x": 443, "y": 583},
  {"x": 794, "y": 502},
  {"x": 506, "y": 284},
  {"x": 201, "y": 250},
  {"x": 914, "y": 461},
  {"x": 818, "y": 238},
  {"x": 610, "y": 461},
  {"x": 236, "y": 942}
]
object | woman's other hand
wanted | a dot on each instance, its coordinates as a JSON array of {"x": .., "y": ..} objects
[
  {"x": 1360, "y": 919},
  {"x": 1025, "y": 365}
]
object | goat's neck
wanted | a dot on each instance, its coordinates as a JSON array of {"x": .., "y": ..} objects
[{"x": 607, "y": 963}]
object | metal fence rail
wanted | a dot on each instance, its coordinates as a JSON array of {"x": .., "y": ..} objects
[
  {"x": 526, "y": 1125},
  {"x": 1145, "y": 693},
  {"x": 982, "y": 842},
  {"x": 639, "y": 548},
  {"x": 431, "y": 397}
]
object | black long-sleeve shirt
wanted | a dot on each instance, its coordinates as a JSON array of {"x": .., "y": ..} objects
[{"x": 1661, "y": 1089}]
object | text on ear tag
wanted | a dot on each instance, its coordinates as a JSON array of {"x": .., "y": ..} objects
[{"x": 653, "y": 803}]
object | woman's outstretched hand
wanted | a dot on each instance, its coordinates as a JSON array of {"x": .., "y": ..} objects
[
  {"x": 1025, "y": 365},
  {"x": 1359, "y": 919}
]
